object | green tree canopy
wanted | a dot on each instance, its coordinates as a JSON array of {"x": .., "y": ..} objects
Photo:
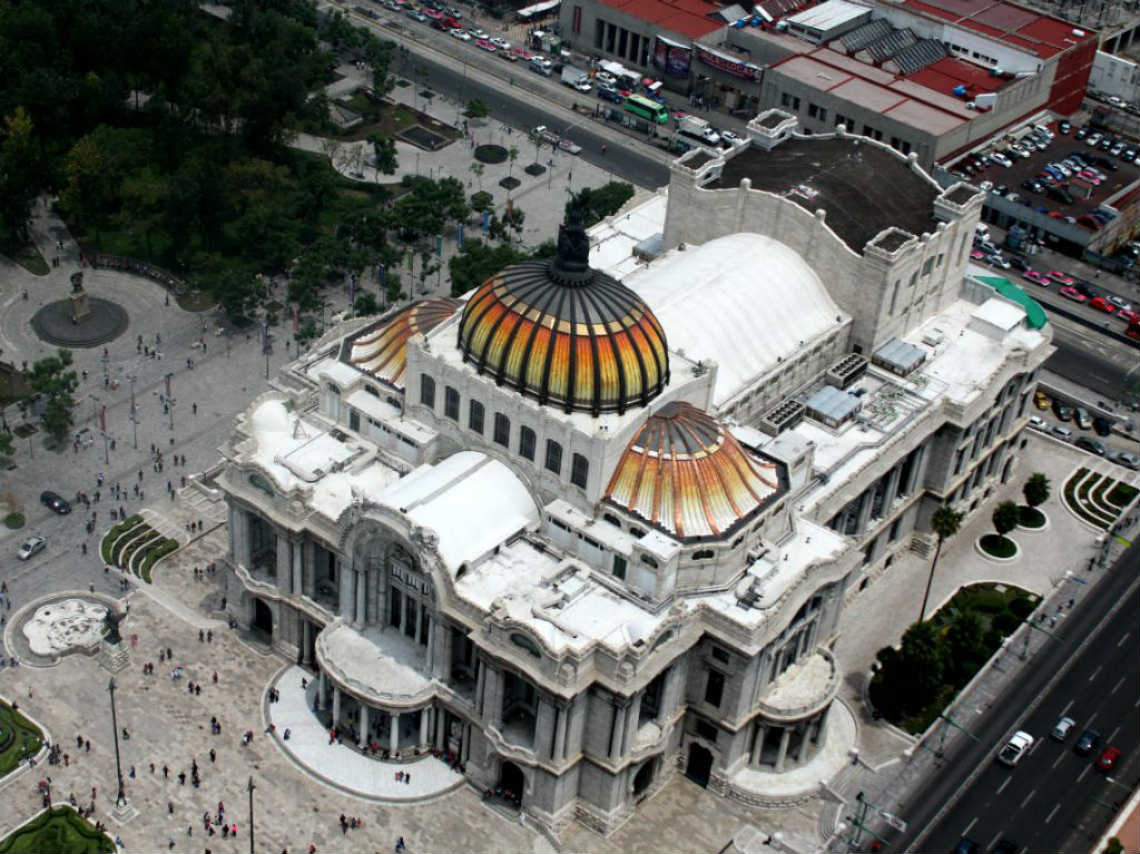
[
  {"x": 477, "y": 261},
  {"x": 1036, "y": 489},
  {"x": 20, "y": 175},
  {"x": 384, "y": 150},
  {"x": 53, "y": 381},
  {"x": 1005, "y": 517},
  {"x": 477, "y": 109},
  {"x": 600, "y": 202}
]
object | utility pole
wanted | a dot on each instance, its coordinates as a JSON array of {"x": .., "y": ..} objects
[
  {"x": 134, "y": 415},
  {"x": 251, "y": 787},
  {"x": 170, "y": 400},
  {"x": 121, "y": 797}
]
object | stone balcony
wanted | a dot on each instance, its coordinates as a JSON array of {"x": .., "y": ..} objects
[{"x": 802, "y": 690}]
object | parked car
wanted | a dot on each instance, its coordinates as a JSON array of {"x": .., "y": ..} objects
[
  {"x": 1081, "y": 133},
  {"x": 1063, "y": 411},
  {"x": 1063, "y": 126},
  {"x": 1101, "y": 425},
  {"x": 1082, "y": 418},
  {"x": 1019, "y": 262},
  {"x": 1062, "y": 728},
  {"x": 501, "y": 43},
  {"x": 1107, "y": 760},
  {"x": 1128, "y": 315},
  {"x": 1037, "y": 278},
  {"x": 1088, "y": 741},
  {"x": 487, "y": 45},
  {"x": 1072, "y": 293},
  {"x": 1126, "y": 459},
  {"x": 1060, "y": 277},
  {"x": 1091, "y": 445},
  {"x": 55, "y": 502},
  {"x": 462, "y": 35},
  {"x": 30, "y": 546},
  {"x": 1038, "y": 423},
  {"x": 1101, "y": 304},
  {"x": 1014, "y": 750},
  {"x": 1062, "y": 433},
  {"x": 1040, "y": 400}
]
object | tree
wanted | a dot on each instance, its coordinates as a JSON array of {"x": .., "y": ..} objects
[
  {"x": 236, "y": 290},
  {"x": 481, "y": 201},
  {"x": 965, "y": 640},
  {"x": 945, "y": 523},
  {"x": 478, "y": 169},
  {"x": 6, "y": 447},
  {"x": 384, "y": 152},
  {"x": 1005, "y": 517},
  {"x": 1036, "y": 489},
  {"x": 20, "y": 176},
  {"x": 512, "y": 156},
  {"x": 476, "y": 261},
  {"x": 366, "y": 304},
  {"x": 910, "y": 678},
  {"x": 598, "y": 203},
  {"x": 477, "y": 109},
  {"x": 51, "y": 380}
]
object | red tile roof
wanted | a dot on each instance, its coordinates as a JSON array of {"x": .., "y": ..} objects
[
  {"x": 683, "y": 17},
  {"x": 1023, "y": 28}
]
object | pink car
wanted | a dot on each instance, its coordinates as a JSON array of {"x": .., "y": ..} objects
[
  {"x": 1072, "y": 293},
  {"x": 1061, "y": 277},
  {"x": 485, "y": 44},
  {"x": 1037, "y": 278}
]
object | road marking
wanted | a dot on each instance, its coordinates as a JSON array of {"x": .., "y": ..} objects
[
  {"x": 1121, "y": 642},
  {"x": 1081, "y": 776},
  {"x": 1068, "y": 706},
  {"x": 993, "y": 841},
  {"x": 1091, "y": 719},
  {"x": 1057, "y": 761},
  {"x": 1118, "y": 684},
  {"x": 1052, "y": 813},
  {"x": 973, "y": 821},
  {"x": 1096, "y": 672},
  {"x": 1112, "y": 735},
  {"x": 1004, "y": 783},
  {"x": 1028, "y": 798},
  {"x": 1037, "y": 743}
]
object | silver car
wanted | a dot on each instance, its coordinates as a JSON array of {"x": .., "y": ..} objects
[
  {"x": 30, "y": 546},
  {"x": 1062, "y": 728},
  {"x": 1123, "y": 458}
]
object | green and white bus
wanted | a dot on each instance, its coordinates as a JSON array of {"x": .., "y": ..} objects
[{"x": 639, "y": 105}]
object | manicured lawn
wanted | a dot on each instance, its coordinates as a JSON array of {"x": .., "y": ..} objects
[
  {"x": 58, "y": 831},
  {"x": 28, "y": 257},
  {"x": 998, "y": 546},
  {"x": 19, "y": 737},
  {"x": 1121, "y": 494}
]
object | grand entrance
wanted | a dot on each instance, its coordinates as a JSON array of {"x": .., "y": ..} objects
[
  {"x": 512, "y": 782},
  {"x": 262, "y": 617},
  {"x": 699, "y": 766},
  {"x": 643, "y": 777}
]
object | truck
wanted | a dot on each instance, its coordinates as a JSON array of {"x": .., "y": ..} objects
[
  {"x": 697, "y": 128},
  {"x": 575, "y": 78}
]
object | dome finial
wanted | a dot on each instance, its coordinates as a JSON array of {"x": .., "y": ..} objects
[{"x": 573, "y": 258}]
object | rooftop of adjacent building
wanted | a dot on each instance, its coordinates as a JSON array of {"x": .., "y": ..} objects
[{"x": 863, "y": 188}]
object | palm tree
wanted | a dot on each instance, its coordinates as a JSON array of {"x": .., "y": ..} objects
[
  {"x": 512, "y": 155},
  {"x": 945, "y": 523}
]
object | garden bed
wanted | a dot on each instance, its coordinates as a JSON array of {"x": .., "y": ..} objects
[
  {"x": 58, "y": 830},
  {"x": 19, "y": 738},
  {"x": 491, "y": 154},
  {"x": 1030, "y": 518},
  {"x": 997, "y": 546}
]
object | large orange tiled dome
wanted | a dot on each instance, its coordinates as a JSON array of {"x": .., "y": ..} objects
[
  {"x": 565, "y": 334},
  {"x": 684, "y": 473}
]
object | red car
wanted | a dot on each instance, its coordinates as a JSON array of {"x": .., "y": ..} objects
[
  {"x": 1101, "y": 304},
  {"x": 1128, "y": 315},
  {"x": 1037, "y": 278},
  {"x": 1107, "y": 759},
  {"x": 1061, "y": 277},
  {"x": 1072, "y": 293}
]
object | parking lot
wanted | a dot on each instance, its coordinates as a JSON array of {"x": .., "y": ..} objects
[{"x": 1086, "y": 196}]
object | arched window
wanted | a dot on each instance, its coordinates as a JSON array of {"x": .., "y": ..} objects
[
  {"x": 475, "y": 417},
  {"x": 526, "y": 443},
  {"x": 451, "y": 403},
  {"x": 612, "y": 519},
  {"x": 579, "y": 470},
  {"x": 704, "y": 554},
  {"x": 553, "y": 456},
  {"x": 427, "y": 391},
  {"x": 526, "y": 643}
]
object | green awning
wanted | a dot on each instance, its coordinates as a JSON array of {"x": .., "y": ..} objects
[{"x": 1034, "y": 313}]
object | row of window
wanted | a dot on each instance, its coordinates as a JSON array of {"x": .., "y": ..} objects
[{"x": 501, "y": 431}]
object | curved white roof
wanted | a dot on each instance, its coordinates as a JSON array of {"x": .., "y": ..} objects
[{"x": 744, "y": 301}]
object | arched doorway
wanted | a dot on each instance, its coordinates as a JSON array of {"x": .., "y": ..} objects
[
  {"x": 643, "y": 778},
  {"x": 700, "y": 763},
  {"x": 512, "y": 782},
  {"x": 262, "y": 617}
]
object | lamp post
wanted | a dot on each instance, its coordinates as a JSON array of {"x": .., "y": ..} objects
[
  {"x": 134, "y": 413},
  {"x": 251, "y": 787},
  {"x": 121, "y": 797}
]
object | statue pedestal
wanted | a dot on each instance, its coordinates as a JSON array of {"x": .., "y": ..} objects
[
  {"x": 79, "y": 308},
  {"x": 124, "y": 812},
  {"x": 114, "y": 656}
]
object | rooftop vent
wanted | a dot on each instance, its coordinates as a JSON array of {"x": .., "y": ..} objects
[{"x": 847, "y": 370}]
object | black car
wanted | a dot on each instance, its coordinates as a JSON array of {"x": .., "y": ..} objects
[
  {"x": 1082, "y": 132},
  {"x": 1063, "y": 411},
  {"x": 1018, "y": 262},
  {"x": 1088, "y": 741},
  {"x": 55, "y": 502},
  {"x": 1063, "y": 126},
  {"x": 1091, "y": 445},
  {"x": 1102, "y": 425}
]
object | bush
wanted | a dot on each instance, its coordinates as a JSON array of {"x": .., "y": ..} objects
[
  {"x": 1006, "y": 623},
  {"x": 162, "y": 549},
  {"x": 490, "y": 154},
  {"x": 1022, "y": 607},
  {"x": 14, "y": 520},
  {"x": 998, "y": 546}
]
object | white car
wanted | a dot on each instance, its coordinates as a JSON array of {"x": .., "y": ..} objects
[
  {"x": 462, "y": 35},
  {"x": 1119, "y": 302},
  {"x": 480, "y": 34},
  {"x": 1037, "y": 422},
  {"x": 501, "y": 43},
  {"x": 1015, "y": 749},
  {"x": 1001, "y": 159},
  {"x": 1063, "y": 727},
  {"x": 30, "y": 546}
]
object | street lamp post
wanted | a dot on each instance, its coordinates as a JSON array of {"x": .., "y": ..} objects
[
  {"x": 134, "y": 414},
  {"x": 251, "y": 787},
  {"x": 121, "y": 797}
]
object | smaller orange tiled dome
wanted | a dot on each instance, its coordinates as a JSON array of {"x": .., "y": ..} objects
[
  {"x": 684, "y": 473},
  {"x": 383, "y": 351}
]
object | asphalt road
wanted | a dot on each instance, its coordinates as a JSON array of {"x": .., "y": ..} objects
[
  {"x": 1054, "y": 801},
  {"x": 1077, "y": 362}
]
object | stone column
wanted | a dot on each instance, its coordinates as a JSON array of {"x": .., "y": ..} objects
[
  {"x": 307, "y": 640},
  {"x": 430, "y": 645},
  {"x": 821, "y": 739},
  {"x": 785, "y": 737},
  {"x": 424, "y": 713},
  {"x": 480, "y": 685},
  {"x": 347, "y": 594},
  {"x": 321, "y": 686},
  {"x": 758, "y": 745},
  {"x": 544, "y": 728},
  {"x": 674, "y": 687},
  {"x": 360, "y": 582},
  {"x": 336, "y": 707},
  {"x": 394, "y": 734},
  {"x": 499, "y": 684},
  {"x": 440, "y": 735},
  {"x": 617, "y": 730},
  {"x": 284, "y": 564},
  {"x": 563, "y": 713},
  {"x": 231, "y": 529},
  {"x": 363, "y": 740},
  {"x": 804, "y": 728},
  {"x": 892, "y": 489},
  {"x": 632, "y": 722},
  {"x": 298, "y": 573}
]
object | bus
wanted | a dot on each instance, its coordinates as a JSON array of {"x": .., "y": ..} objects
[{"x": 639, "y": 105}]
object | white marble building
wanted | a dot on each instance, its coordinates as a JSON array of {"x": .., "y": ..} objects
[{"x": 592, "y": 525}]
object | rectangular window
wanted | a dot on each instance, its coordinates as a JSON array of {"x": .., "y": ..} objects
[
  {"x": 579, "y": 470},
  {"x": 553, "y": 456},
  {"x": 721, "y": 655},
  {"x": 526, "y": 443},
  {"x": 599, "y": 32},
  {"x": 785, "y": 99},
  {"x": 714, "y": 688},
  {"x": 502, "y": 430},
  {"x": 427, "y": 391},
  {"x": 619, "y": 567},
  {"x": 928, "y": 266},
  {"x": 823, "y": 114},
  {"x": 475, "y": 417},
  {"x": 576, "y": 26},
  {"x": 451, "y": 403},
  {"x": 813, "y": 110}
]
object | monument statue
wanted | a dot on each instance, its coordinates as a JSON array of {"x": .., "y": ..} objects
[
  {"x": 80, "y": 310},
  {"x": 111, "y": 621}
]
